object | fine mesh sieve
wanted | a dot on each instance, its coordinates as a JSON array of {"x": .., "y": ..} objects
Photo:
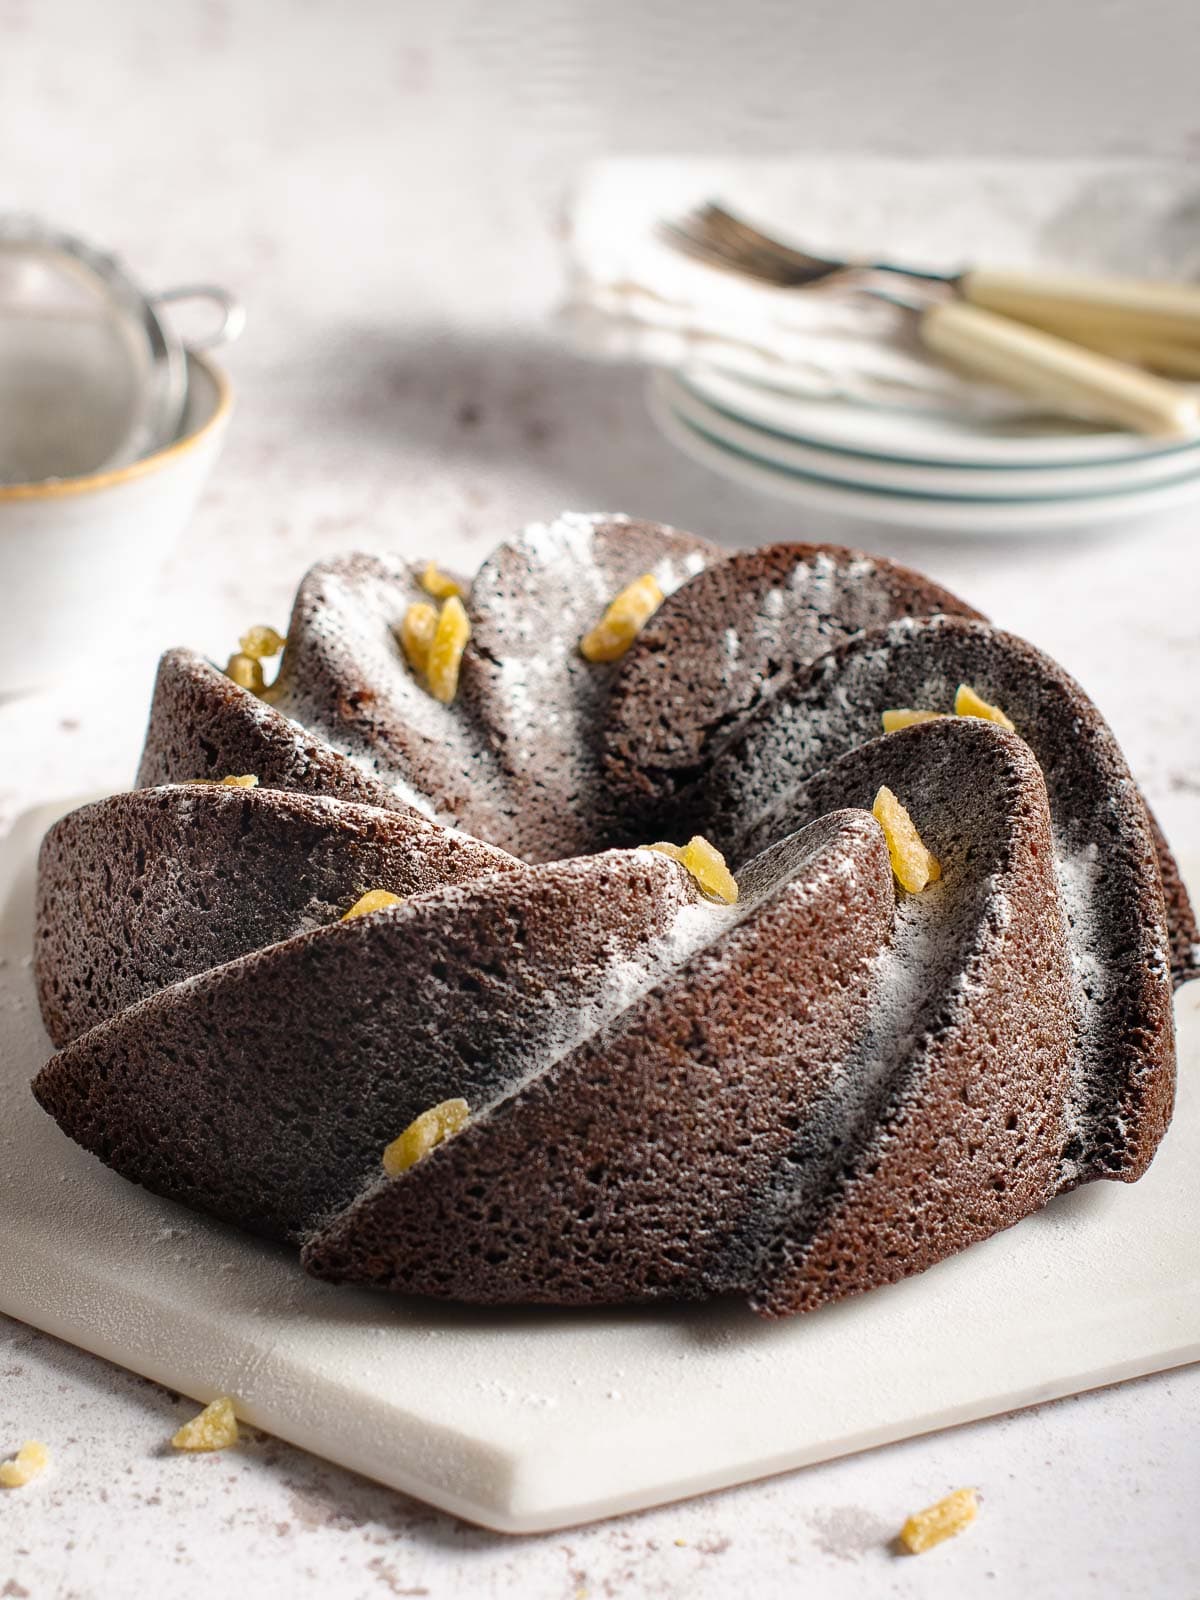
[{"x": 91, "y": 376}]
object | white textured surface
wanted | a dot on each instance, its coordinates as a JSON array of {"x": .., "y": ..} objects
[{"x": 384, "y": 188}]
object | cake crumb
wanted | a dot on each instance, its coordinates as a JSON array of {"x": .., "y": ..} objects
[
  {"x": 30, "y": 1461},
  {"x": 942, "y": 1520},
  {"x": 213, "y": 1429},
  {"x": 422, "y": 1135},
  {"x": 915, "y": 867},
  {"x": 968, "y": 704},
  {"x": 373, "y": 900},
  {"x": 624, "y": 619}
]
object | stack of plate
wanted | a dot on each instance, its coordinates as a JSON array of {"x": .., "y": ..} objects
[{"x": 919, "y": 469}]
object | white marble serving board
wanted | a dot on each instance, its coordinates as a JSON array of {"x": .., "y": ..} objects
[{"x": 527, "y": 1421}]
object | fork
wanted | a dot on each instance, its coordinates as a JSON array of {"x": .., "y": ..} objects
[
  {"x": 1060, "y": 302},
  {"x": 971, "y": 331}
]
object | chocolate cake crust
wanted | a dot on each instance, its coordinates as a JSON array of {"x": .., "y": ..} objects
[
  {"x": 170, "y": 882},
  {"x": 827, "y": 1086}
]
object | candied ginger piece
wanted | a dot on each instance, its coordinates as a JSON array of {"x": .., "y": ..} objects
[
  {"x": 430, "y": 1129},
  {"x": 416, "y": 633},
  {"x": 30, "y": 1461},
  {"x": 214, "y": 1428},
  {"x": 914, "y": 866},
  {"x": 941, "y": 1521},
  {"x": 261, "y": 642},
  {"x": 968, "y": 704},
  {"x": 446, "y": 651},
  {"x": 625, "y": 618},
  {"x": 675, "y": 851},
  {"x": 246, "y": 671},
  {"x": 373, "y": 900},
  {"x": 706, "y": 865},
  {"x": 438, "y": 584},
  {"x": 907, "y": 717}
]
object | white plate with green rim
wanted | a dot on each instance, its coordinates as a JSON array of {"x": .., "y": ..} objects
[
  {"x": 848, "y": 469},
  {"x": 1116, "y": 511},
  {"x": 929, "y": 438}
]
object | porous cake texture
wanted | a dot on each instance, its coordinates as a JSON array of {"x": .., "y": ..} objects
[{"x": 824, "y": 1086}]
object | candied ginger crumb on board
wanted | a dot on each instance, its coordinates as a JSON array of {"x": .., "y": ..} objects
[
  {"x": 30, "y": 1461},
  {"x": 422, "y": 1135},
  {"x": 625, "y": 618},
  {"x": 438, "y": 584},
  {"x": 906, "y": 717},
  {"x": 940, "y": 1521},
  {"x": 446, "y": 651},
  {"x": 915, "y": 867},
  {"x": 214, "y": 1429},
  {"x": 968, "y": 704},
  {"x": 706, "y": 865},
  {"x": 373, "y": 900},
  {"x": 416, "y": 633},
  {"x": 261, "y": 642}
]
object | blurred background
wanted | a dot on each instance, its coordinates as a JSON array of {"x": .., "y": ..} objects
[{"x": 387, "y": 186}]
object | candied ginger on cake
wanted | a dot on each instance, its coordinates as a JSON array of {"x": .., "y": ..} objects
[
  {"x": 438, "y": 584},
  {"x": 706, "y": 865},
  {"x": 433, "y": 642},
  {"x": 423, "y": 1134},
  {"x": 261, "y": 642},
  {"x": 968, "y": 704},
  {"x": 446, "y": 650},
  {"x": 624, "y": 619},
  {"x": 915, "y": 866},
  {"x": 415, "y": 633},
  {"x": 246, "y": 671},
  {"x": 907, "y": 717},
  {"x": 373, "y": 900}
]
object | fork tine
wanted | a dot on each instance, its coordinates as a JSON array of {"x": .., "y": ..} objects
[
  {"x": 733, "y": 251},
  {"x": 718, "y": 221},
  {"x": 715, "y": 226},
  {"x": 747, "y": 248},
  {"x": 715, "y": 253}
]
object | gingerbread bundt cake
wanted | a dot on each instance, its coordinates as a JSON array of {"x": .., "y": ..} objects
[{"x": 539, "y": 1063}]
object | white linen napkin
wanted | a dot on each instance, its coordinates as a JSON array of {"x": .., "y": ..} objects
[{"x": 633, "y": 297}]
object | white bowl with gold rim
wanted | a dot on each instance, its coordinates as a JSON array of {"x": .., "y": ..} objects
[{"x": 78, "y": 555}]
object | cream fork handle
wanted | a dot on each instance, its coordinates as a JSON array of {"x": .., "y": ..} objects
[
  {"x": 1057, "y": 374},
  {"x": 1057, "y": 299}
]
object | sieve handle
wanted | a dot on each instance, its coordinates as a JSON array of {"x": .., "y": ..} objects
[{"x": 232, "y": 311}]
